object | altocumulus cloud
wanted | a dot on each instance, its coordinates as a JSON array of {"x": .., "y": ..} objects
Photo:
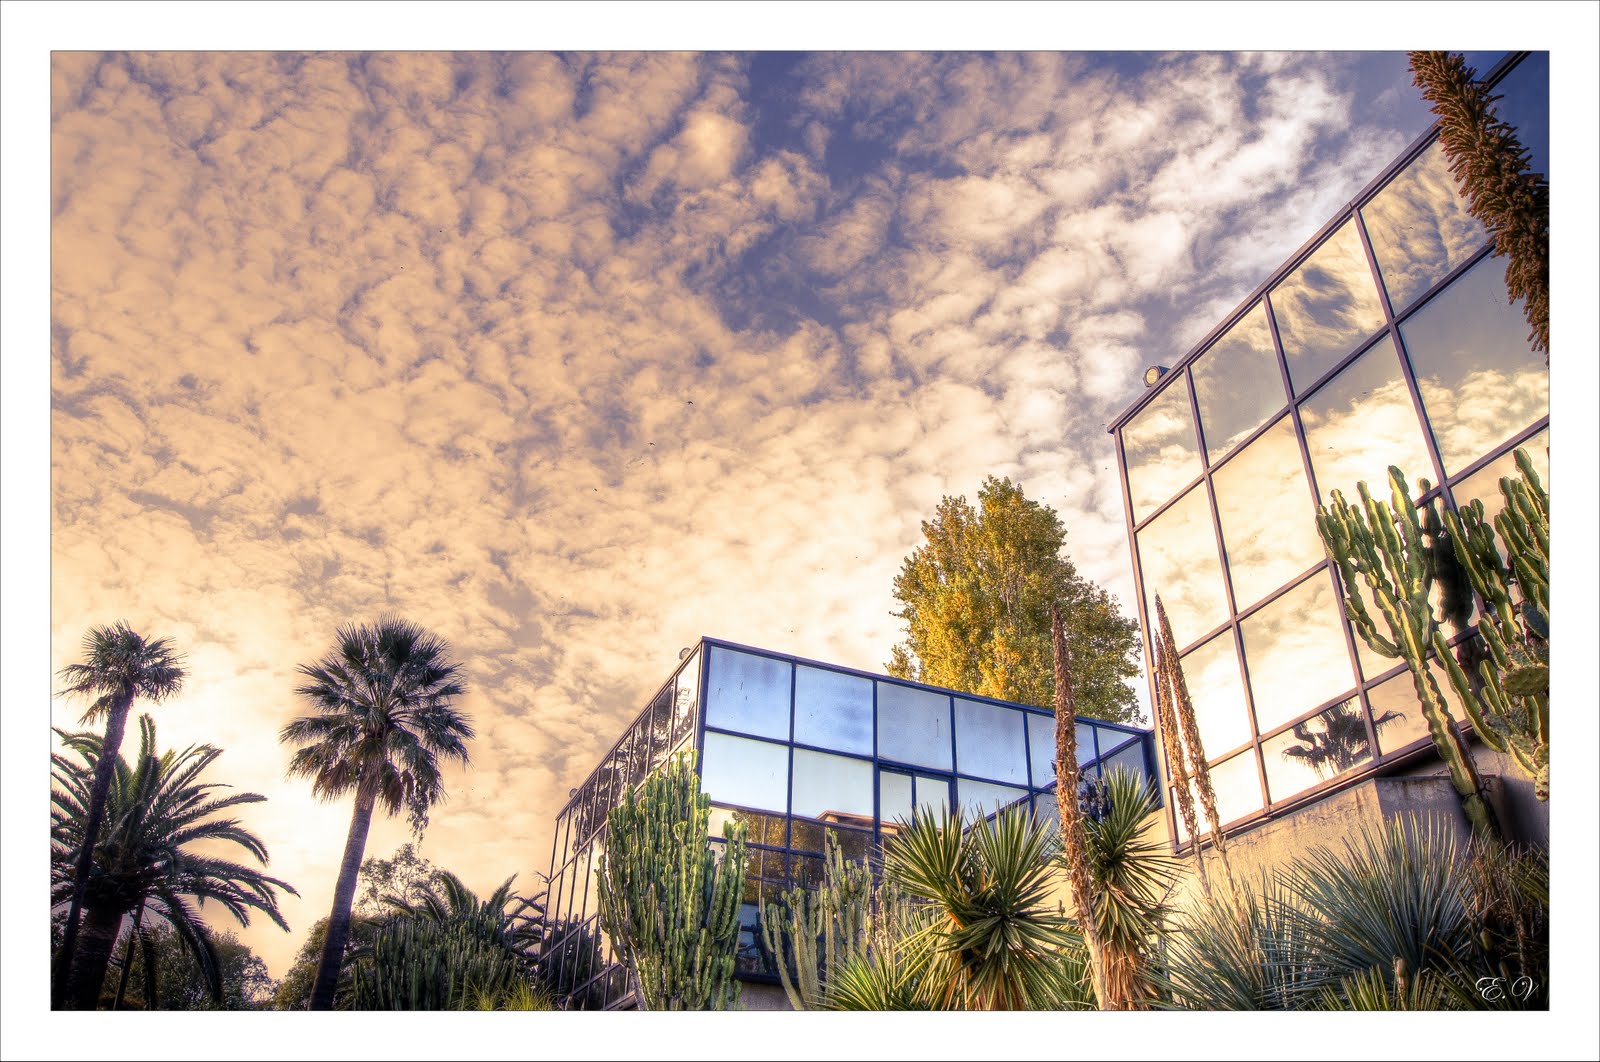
[{"x": 573, "y": 358}]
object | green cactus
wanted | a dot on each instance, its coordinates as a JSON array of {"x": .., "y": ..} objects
[
  {"x": 1384, "y": 548},
  {"x": 1510, "y": 704},
  {"x": 415, "y": 964},
  {"x": 669, "y": 902},
  {"x": 811, "y": 932}
]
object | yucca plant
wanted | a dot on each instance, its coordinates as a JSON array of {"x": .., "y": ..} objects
[{"x": 1217, "y": 960}]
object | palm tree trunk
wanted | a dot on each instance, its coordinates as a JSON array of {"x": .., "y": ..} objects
[
  {"x": 127, "y": 959},
  {"x": 344, "y": 895},
  {"x": 62, "y": 988},
  {"x": 99, "y": 939}
]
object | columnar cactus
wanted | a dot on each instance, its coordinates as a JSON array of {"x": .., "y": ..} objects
[
  {"x": 415, "y": 964},
  {"x": 813, "y": 931},
  {"x": 669, "y": 902},
  {"x": 1510, "y": 711},
  {"x": 1383, "y": 547}
]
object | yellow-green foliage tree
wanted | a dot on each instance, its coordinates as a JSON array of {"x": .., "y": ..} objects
[{"x": 976, "y": 598}]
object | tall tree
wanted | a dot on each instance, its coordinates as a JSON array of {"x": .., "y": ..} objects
[
  {"x": 118, "y": 666},
  {"x": 384, "y": 719},
  {"x": 976, "y": 597},
  {"x": 1492, "y": 170},
  {"x": 147, "y": 859}
]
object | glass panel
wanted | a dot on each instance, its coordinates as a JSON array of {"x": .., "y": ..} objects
[
  {"x": 1042, "y": 748},
  {"x": 639, "y": 751},
  {"x": 748, "y": 693},
  {"x": 1395, "y": 708},
  {"x": 1295, "y": 652},
  {"x": 984, "y": 798},
  {"x": 741, "y": 771},
  {"x": 808, "y": 835},
  {"x": 688, "y": 696},
  {"x": 1047, "y": 809},
  {"x": 833, "y": 710},
  {"x": 1480, "y": 380},
  {"x": 990, "y": 742},
  {"x": 1160, "y": 448},
  {"x": 894, "y": 796},
  {"x": 1361, "y": 423},
  {"x": 1178, "y": 556},
  {"x": 1237, "y": 383},
  {"x": 559, "y": 855},
  {"x": 1420, "y": 228},
  {"x": 1317, "y": 749},
  {"x": 913, "y": 725},
  {"x": 1084, "y": 738},
  {"x": 1212, "y": 674},
  {"x": 1525, "y": 106},
  {"x": 933, "y": 793},
  {"x": 832, "y": 787},
  {"x": 1327, "y": 307},
  {"x": 759, "y": 828},
  {"x": 1269, "y": 526},
  {"x": 1484, "y": 484},
  {"x": 661, "y": 727},
  {"x": 1129, "y": 758},
  {"x": 1238, "y": 789}
]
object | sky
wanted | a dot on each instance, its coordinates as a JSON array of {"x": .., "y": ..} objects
[{"x": 572, "y": 357}]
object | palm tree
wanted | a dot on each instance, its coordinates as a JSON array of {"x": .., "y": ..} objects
[
  {"x": 145, "y": 860},
  {"x": 118, "y": 666},
  {"x": 384, "y": 718}
]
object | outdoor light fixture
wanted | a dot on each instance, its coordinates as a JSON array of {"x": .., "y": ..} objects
[{"x": 1154, "y": 373}]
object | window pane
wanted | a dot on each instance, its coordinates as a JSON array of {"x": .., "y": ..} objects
[
  {"x": 831, "y": 787},
  {"x": 1296, "y": 654},
  {"x": 1269, "y": 526},
  {"x": 1326, "y": 308},
  {"x": 688, "y": 697},
  {"x": 1238, "y": 789},
  {"x": 1129, "y": 758},
  {"x": 1484, "y": 484},
  {"x": 752, "y": 773},
  {"x": 1361, "y": 423},
  {"x": 1525, "y": 106},
  {"x": 1480, "y": 380},
  {"x": 1396, "y": 710},
  {"x": 1084, "y": 738},
  {"x": 1237, "y": 383},
  {"x": 748, "y": 693},
  {"x": 894, "y": 796},
  {"x": 1042, "y": 748},
  {"x": 853, "y": 844},
  {"x": 932, "y": 793},
  {"x": 1178, "y": 556},
  {"x": 1160, "y": 447},
  {"x": 1420, "y": 228},
  {"x": 985, "y": 798},
  {"x": 759, "y": 828},
  {"x": 833, "y": 710},
  {"x": 1212, "y": 674},
  {"x": 1313, "y": 751},
  {"x": 989, "y": 741},
  {"x": 913, "y": 726}
]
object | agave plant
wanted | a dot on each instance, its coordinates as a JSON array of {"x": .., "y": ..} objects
[{"x": 1216, "y": 960}]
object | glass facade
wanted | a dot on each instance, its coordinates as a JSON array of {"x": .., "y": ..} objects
[
  {"x": 1388, "y": 339},
  {"x": 795, "y": 750}
]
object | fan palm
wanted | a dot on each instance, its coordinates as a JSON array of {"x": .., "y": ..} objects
[
  {"x": 118, "y": 666},
  {"x": 383, "y": 721},
  {"x": 144, "y": 860}
]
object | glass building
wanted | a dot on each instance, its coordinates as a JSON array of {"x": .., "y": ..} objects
[
  {"x": 796, "y": 749},
  {"x": 1387, "y": 339}
]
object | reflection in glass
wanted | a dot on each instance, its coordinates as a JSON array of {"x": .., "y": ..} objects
[
  {"x": 1484, "y": 484},
  {"x": 853, "y": 844},
  {"x": 830, "y": 787},
  {"x": 1212, "y": 675},
  {"x": 1295, "y": 652},
  {"x": 660, "y": 727},
  {"x": 1269, "y": 528},
  {"x": 1238, "y": 789},
  {"x": 913, "y": 725},
  {"x": 1237, "y": 384},
  {"x": 1317, "y": 749},
  {"x": 990, "y": 742},
  {"x": 688, "y": 696},
  {"x": 1397, "y": 698},
  {"x": 932, "y": 794},
  {"x": 1525, "y": 106},
  {"x": 1420, "y": 228},
  {"x": 1160, "y": 448},
  {"x": 748, "y": 693},
  {"x": 985, "y": 798},
  {"x": 894, "y": 796},
  {"x": 1480, "y": 380},
  {"x": 752, "y": 773},
  {"x": 833, "y": 710},
  {"x": 1129, "y": 758},
  {"x": 1042, "y": 748},
  {"x": 1178, "y": 555},
  {"x": 759, "y": 828},
  {"x": 1326, "y": 307},
  {"x": 1361, "y": 423}
]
